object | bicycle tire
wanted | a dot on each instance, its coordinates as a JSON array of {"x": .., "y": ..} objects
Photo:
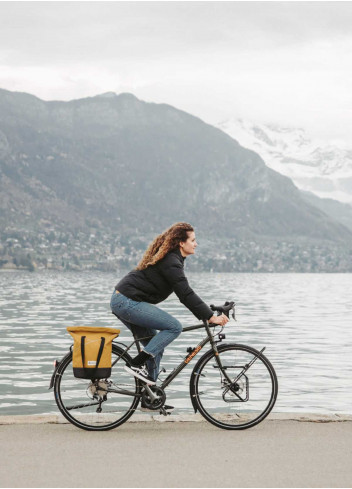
[
  {"x": 232, "y": 411},
  {"x": 71, "y": 393}
]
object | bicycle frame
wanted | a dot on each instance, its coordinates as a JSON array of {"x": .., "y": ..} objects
[{"x": 185, "y": 362}]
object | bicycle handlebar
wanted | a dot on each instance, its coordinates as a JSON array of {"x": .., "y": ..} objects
[{"x": 225, "y": 309}]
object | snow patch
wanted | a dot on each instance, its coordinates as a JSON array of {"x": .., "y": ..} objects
[{"x": 323, "y": 169}]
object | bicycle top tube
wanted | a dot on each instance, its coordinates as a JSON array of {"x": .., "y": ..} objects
[{"x": 187, "y": 328}]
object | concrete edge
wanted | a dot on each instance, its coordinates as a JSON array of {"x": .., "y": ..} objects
[{"x": 143, "y": 418}]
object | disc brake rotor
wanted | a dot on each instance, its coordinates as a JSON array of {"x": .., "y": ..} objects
[
  {"x": 236, "y": 392},
  {"x": 237, "y": 388}
]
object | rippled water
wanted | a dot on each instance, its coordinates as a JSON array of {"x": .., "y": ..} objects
[{"x": 304, "y": 320}]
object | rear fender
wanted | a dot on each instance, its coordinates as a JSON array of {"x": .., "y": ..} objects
[{"x": 56, "y": 369}]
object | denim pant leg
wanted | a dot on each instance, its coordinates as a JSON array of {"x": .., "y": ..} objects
[
  {"x": 153, "y": 365},
  {"x": 148, "y": 316}
]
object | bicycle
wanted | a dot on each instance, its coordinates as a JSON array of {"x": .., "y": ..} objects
[{"x": 233, "y": 386}]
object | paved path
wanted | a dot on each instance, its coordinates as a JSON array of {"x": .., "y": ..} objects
[{"x": 153, "y": 454}]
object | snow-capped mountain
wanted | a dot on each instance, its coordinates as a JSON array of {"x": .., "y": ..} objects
[{"x": 325, "y": 170}]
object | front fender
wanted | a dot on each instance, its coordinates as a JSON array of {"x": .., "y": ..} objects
[
  {"x": 195, "y": 371},
  {"x": 192, "y": 380}
]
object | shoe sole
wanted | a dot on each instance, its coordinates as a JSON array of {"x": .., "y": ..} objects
[{"x": 140, "y": 377}]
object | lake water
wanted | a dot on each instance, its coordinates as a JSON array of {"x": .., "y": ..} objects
[{"x": 304, "y": 320}]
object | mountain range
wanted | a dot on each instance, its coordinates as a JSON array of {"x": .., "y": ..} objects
[
  {"x": 134, "y": 166},
  {"x": 87, "y": 183}
]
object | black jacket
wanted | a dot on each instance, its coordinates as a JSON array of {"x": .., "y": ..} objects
[{"x": 157, "y": 282}]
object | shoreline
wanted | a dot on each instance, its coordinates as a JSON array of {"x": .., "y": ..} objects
[{"x": 177, "y": 418}]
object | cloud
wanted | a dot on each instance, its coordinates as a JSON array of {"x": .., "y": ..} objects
[{"x": 282, "y": 61}]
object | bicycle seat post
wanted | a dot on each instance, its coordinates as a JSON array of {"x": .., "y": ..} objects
[{"x": 138, "y": 345}]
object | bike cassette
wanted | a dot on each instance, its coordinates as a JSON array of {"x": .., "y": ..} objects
[
  {"x": 158, "y": 402},
  {"x": 98, "y": 389}
]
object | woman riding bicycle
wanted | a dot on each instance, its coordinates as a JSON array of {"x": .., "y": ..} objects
[{"x": 158, "y": 274}]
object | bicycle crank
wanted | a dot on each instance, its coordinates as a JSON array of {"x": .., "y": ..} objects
[{"x": 154, "y": 399}]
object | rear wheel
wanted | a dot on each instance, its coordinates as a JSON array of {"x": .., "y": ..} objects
[
  {"x": 242, "y": 402},
  {"x": 97, "y": 405}
]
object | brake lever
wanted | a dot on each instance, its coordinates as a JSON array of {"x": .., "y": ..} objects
[{"x": 227, "y": 313}]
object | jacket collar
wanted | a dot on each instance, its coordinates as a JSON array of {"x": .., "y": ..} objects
[{"x": 178, "y": 252}]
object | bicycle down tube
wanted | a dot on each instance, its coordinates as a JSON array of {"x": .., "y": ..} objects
[{"x": 187, "y": 360}]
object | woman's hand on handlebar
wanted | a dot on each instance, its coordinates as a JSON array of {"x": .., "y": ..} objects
[{"x": 221, "y": 320}]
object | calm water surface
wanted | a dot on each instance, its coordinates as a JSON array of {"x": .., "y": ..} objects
[{"x": 304, "y": 320}]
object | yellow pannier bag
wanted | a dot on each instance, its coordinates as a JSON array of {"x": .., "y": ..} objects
[{"x": 92, "y": 347}]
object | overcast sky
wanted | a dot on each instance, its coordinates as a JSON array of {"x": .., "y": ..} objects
[{"x": 285, "y": 62}]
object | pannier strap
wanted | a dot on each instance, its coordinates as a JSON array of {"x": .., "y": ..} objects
[{"x": 100, "y": 352}]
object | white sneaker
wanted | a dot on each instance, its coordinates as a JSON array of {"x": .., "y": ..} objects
[{"x": 141, "y": 373}]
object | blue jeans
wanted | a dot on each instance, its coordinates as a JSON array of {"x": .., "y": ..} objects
[{"x": 144, "y": 319}]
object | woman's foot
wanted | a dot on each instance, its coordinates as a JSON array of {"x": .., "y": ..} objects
[
  {"x": 141, "y": 374},
  {"x": 140, "y": 359}
]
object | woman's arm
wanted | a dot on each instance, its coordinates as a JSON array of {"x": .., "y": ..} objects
[{"x": 172, "y": 270}]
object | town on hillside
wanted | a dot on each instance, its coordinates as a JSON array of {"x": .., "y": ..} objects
[{"x": 53, "y": 249}]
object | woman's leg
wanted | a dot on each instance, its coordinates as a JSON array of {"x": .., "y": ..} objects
[
  {"x": 147, "y": 316},
  {"x": 153, "y": 364},
  {"x": 150, "y": 316}
]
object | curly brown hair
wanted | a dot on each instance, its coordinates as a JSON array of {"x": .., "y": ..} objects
[{"x": 165, "y": 242}]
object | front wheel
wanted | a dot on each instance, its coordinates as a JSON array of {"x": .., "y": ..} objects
[
  {"x": 235, "y": 390},
  {"x": 97, "y": 405}
]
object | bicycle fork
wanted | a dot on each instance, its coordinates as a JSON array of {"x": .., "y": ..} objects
[{"x": 244, "y": 370}]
